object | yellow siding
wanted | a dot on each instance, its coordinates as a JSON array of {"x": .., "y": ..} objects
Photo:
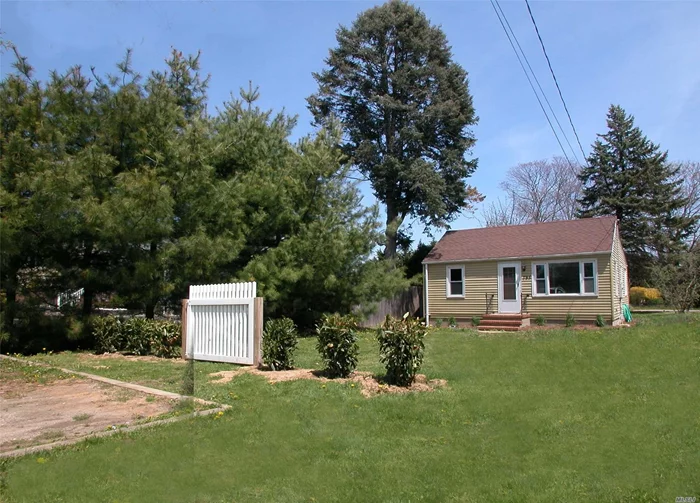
[
  {"x": 619, "y": 266},
  {"x": 583, "y": 308},
  {"x": 481, "y": 278}
]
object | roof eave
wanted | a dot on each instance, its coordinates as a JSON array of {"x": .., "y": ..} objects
[{"x": 519, "y": 257}]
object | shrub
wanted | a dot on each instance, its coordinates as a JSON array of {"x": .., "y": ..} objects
[
  {"x": 640, "y": 296},
  {"x": 452, "y": 322},
  {"x": 107, "y": 334},
  {"x": 540, "y": 320},
  {"x": 165, "y": 338},
  {"x": 475, "y": 321},
  {"x": 137, "y": 336},
  {"x": 570, "y": 320},
  {"x": 337, "y": 343},
  {"x": 599, "y": 320},
  {"x": 401, "y": 348},
  {"x": 438, "y": 322},
  {"x": 278, "y": 344}
]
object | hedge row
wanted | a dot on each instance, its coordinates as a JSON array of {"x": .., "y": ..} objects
[{"x": 137, "y": 336}]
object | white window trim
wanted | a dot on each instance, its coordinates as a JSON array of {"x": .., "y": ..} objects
[
  {"x": 448, "y": 293},
  {"x": 533, "y": 276}
]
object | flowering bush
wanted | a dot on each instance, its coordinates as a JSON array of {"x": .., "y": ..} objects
[
  {"x": 640, "y": 296},
  {"x": 401, "y": 348},
  {"x": 337, "y": 343}
]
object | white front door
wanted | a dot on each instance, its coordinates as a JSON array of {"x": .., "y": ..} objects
[{"x": 509, "y": 287}]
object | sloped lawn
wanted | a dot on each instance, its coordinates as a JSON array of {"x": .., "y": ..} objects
[{"x": 557, "y": 415}]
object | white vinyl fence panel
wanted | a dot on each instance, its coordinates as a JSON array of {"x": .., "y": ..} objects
[
  {"x": 220, "y": 322},
  {"x": 69, "y": 298}
]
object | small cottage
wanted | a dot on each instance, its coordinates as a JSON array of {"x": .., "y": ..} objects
[{"x": 507, "y": 275}]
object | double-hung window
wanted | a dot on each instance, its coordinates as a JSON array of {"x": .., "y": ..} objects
[
  {"x": 564, "y": 278},
  {"x": 455, "y": 281}
]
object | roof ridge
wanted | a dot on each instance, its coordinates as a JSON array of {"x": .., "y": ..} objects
[{"x": 529, "y": 224}]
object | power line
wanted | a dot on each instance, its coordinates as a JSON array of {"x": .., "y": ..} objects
[
  {"x": 561, "y": 96},
  {"x": 537, "y": 81},
  {"x": 493, "y": 4}
]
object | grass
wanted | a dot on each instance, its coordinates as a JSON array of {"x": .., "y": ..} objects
[
  {"x": 555, "y": 415},
  {"x": 11, "y": 370}
]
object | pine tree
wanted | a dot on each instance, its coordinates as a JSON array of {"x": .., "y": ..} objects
[
  {"x": 406, "y": 111},
  {"x": 629, "y": 176}
]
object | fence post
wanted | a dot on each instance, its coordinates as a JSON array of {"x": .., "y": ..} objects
[
  {"x": 257, "y": 331},
  {"x": 183, "y": 321}
]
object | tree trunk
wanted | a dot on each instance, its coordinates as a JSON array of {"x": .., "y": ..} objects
[
  {"x": 88, "y": 295},
  {"x": 11, "y": 302},
  {"x": 392, "y": 229},
  {"x": 88, "y": 292},
  {"x": 151, "y": 303}
]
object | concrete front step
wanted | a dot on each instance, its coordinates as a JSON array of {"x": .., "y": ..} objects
[{"x": 505, "y": 323}]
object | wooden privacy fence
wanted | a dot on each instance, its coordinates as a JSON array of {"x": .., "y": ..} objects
[
  {"x": 222, "y": 323},
  {"x": 409, "y": 301}
]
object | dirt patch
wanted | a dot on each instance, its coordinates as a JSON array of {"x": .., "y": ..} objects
[
  {"x": 33, "y": 414},
  {"x": 370, "y": 385}
]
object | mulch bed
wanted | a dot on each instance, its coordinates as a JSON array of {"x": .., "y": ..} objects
[{"x": 370, "y": 385}]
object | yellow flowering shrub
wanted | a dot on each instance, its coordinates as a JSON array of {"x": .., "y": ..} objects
[{"x": 640, "y": 296}]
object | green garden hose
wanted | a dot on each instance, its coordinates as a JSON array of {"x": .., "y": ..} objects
[{"x": 626, "y": 313}]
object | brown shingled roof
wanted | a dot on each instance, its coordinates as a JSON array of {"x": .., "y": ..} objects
[{"x": 566, "y": 237}]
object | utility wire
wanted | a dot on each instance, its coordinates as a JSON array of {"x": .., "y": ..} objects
[
  {"x": 561, "y": 96},
  {"x": 537, "y": 81},
  {"x": 531, "y": 84}
]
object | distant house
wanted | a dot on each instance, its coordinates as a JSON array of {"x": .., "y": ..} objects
[{"x": 506, "y": 275}]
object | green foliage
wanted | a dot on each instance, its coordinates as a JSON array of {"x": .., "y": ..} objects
[
  {"x": 337, "y": 344},
  {"x": 452, "y": 322},
  {"x": 438, "y": 322},
  {"x": 570, "y": 320},
  {"x": 630, "y": 177},
  {"x": 405, "y": 108},
  {"x": 124, "y": 186},
  {"x": 475, "y": 321},
  {"x": 679, "y": 279},
  {"x": 401, "y": 348},
  {"x": 107, "y": 331},
  {"x": 540, "y": 320},
  {"x": 412, "y": 260},
  {"x": 137, "y": 336},
  {"x": 278, "y": 344},
  {"x": 600, "y": 321}
]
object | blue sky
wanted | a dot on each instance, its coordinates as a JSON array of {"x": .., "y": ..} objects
[{"x": 644, "y": 56}]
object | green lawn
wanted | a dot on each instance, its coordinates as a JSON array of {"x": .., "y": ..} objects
[{"x": 557, "y": 415}]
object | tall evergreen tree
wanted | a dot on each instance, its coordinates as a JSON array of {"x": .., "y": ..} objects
[
  {"x": 629, "y": 176},
  {"x": 406, "y": 110}
]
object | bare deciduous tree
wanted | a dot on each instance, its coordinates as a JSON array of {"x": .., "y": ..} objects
[
  {"x": 538, "y": 191},
  {"x": 689, "y": 174}
]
